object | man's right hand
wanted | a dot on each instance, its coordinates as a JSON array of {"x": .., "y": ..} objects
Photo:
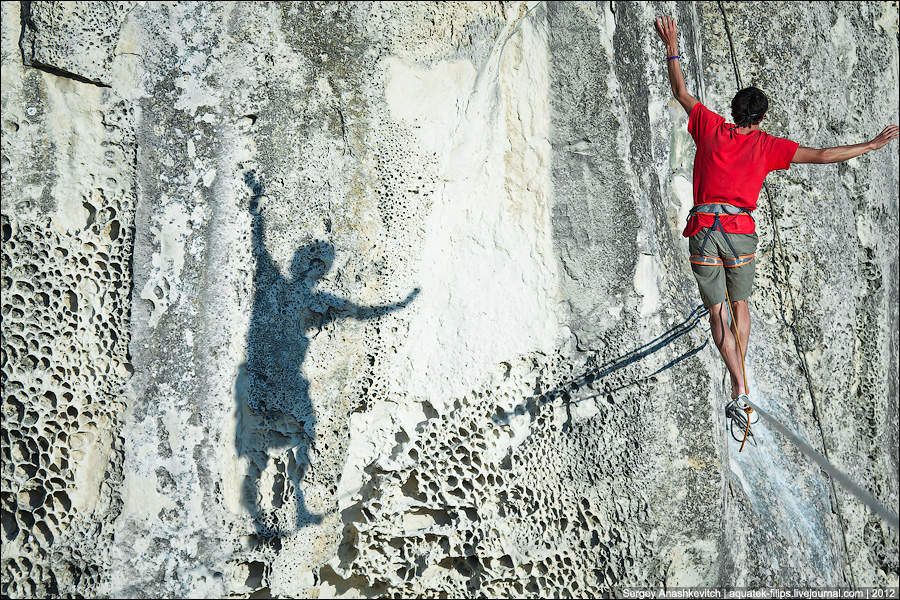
[
  {"x": 842, "y": 153},
  {"x": 889, "y": 133}
]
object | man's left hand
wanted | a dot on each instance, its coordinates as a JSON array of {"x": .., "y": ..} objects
[{"x": 665, "y": 27}]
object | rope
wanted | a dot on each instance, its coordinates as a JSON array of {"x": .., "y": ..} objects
[
  {"x": 747, "y": 410},
  {"x": 517, "y": 26},
  {"x": 737, "y": 73}
]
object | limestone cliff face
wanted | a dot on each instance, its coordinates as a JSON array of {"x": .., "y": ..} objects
[{"x": 391, "y": 299}]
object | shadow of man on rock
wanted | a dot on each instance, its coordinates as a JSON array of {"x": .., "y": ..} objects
[{"x": 275, "y": 417}]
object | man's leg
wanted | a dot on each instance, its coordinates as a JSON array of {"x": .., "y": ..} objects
[
  {"x": 727, "y": 345},
  {"x": 711, "y": 280},
  {"x": 739, "y": 281},
  {"x": 741, "y": 323}
]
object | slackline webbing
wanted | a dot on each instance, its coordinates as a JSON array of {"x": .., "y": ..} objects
[{"x": 848, "y": 484}]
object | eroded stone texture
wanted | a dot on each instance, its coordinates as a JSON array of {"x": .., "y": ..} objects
[
  {"x": 76, "y": 39},
  {"x": 408, "y": 310},
  {"x": 68, "y": 179}
]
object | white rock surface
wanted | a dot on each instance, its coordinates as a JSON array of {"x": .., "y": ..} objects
[{"x": 220, "y": 380}]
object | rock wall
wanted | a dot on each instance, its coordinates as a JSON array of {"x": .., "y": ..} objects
[{"x": 390, "y": 299}]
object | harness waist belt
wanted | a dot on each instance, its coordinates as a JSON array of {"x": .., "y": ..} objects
[{"x": 720, "y": 208}]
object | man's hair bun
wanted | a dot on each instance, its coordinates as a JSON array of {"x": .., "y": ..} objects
[{"x": 748, "y": 106}]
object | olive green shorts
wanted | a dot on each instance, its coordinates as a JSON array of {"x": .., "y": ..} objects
[{"x": 717, "y": 267}]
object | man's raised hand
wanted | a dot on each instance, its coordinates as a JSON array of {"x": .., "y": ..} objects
[{"x": 665, "y": 27}]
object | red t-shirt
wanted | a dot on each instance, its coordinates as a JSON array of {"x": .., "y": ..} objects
[{"x": 730, "y": 167}]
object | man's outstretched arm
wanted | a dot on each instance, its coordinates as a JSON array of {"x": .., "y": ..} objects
[
  {"x": 345, "y": 308},
  {"x": 665, "y": 27},
  {"x": 842, "y": 153}
]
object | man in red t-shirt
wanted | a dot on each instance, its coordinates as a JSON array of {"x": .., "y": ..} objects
[{"x": 730, "y": 164}]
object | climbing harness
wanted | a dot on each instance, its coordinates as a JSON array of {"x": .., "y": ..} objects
[
  {"x": 734, "y": 408},
  {"x": 715, "y": 209}
]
